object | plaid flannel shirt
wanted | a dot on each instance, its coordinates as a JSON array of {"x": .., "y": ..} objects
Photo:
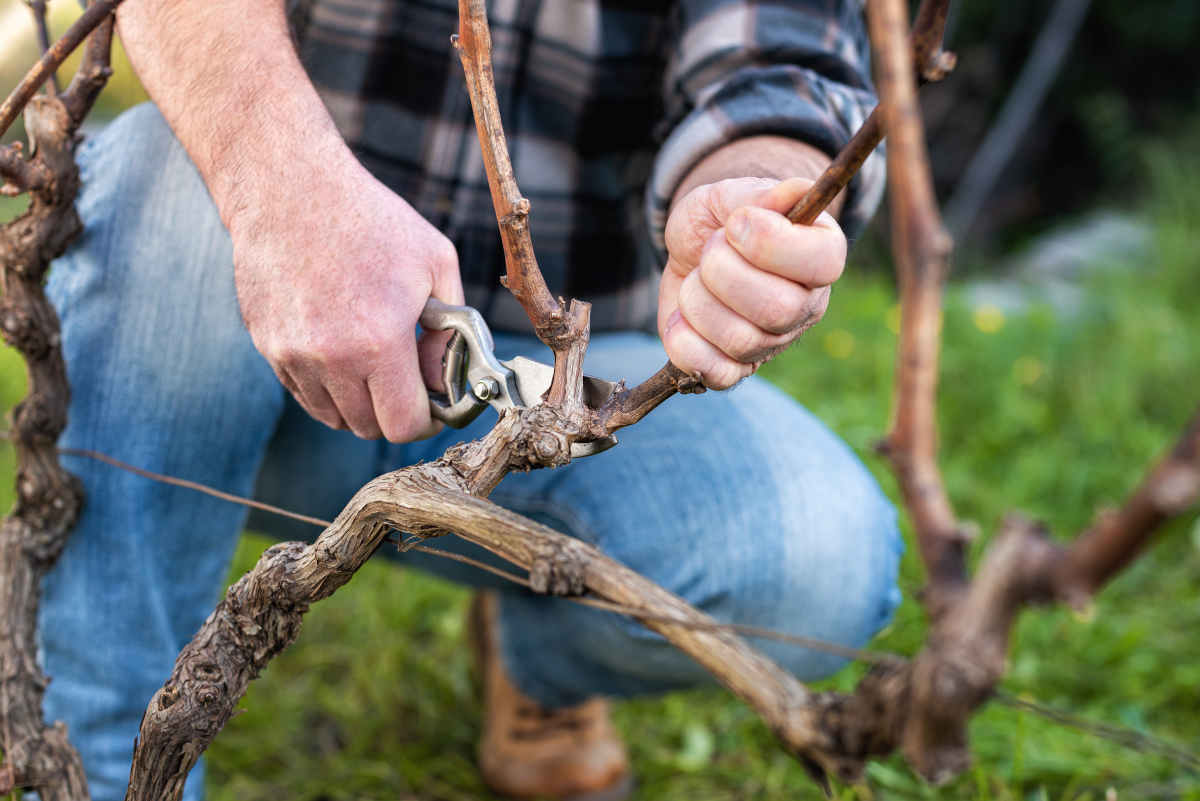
[{"x": 607, "y": 105}]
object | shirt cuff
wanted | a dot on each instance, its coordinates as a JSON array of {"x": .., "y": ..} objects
[{"x": 784, "y": 100}]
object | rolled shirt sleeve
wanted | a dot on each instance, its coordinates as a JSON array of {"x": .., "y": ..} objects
[{"x": 741, "y": 68}]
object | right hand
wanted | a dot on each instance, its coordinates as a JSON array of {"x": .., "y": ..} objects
[{"x": 331, "y": 284}]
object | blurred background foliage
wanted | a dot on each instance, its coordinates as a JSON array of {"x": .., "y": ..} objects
[
  {"x": 1062, "y": 378},
  {"x": 1130, "y": 77},
  {"x": 18, "y": 52}
]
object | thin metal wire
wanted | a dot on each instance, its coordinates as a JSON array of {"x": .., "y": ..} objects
[
  {"x": 192, "y": 485},
  {"x": 1121, "y": 735},
  {"x": 411, "y": 545},
  {"x": 873, "y": 657}
]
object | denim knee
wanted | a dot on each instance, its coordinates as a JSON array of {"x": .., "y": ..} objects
[
  {"x": 746, "y": 507},
  {"x": 832, "y": 577},
  {"x": 163, "y": 376},
  {"x": 835, "y": 583}
]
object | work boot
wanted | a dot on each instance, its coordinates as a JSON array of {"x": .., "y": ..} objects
[{"x": 528, "y": 751}]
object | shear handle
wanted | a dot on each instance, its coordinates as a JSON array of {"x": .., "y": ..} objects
[{"x": 468, "y": 359}]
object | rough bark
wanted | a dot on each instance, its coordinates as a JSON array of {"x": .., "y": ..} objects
[
  {"x": 828, "y": 732},
  {"x": 965, "y": 651},
  {"x": 964, "y": 655},
  {"x": 922, "y": 252},
  {"x": 261, "y": 614},
  {"x": 36, "y": 756},
  {"x": 921, "y": 707}
]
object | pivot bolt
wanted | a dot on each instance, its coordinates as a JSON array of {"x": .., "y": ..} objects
[{"x": 486, "y": 388}]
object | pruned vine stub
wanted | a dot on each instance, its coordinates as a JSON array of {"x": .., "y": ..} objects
[{"x": 920, "y": 707}]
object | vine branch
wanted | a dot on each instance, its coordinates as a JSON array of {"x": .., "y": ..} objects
[
  {"x": 524, "y": 278},
  {"x": 53, "y": 58},
  {"x": 261, "y": 613},
  {"x": 827, "y": 732},
  {"x": 37, "y": 756},
  {"x": 38, "y": 9},
  {"x": 931, "y": 63},
  {"x": 921, "y": 707},
  {"x": 830, "y": 733},
  {"x": 922, "y": 252},
  {"x": 20, "y": 174}
]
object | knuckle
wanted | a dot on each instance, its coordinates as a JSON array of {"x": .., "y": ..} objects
[
  {"x": 407, "y": 429},
  {"x": 818, "y": 304},
  {"x": 342, "y": 348},
  {"x": 719, "y": 275},
  {"x": 367, "y": 431},
  {"x": 283, "y": 354},
  {"x": 782, "y": 312},
  {"x": 444, "y": 254},
  {"x": 814, "y": 310},
  {"x": 688, "y": 224},
  {"x": 835, "y": 256},
  {"x": 722, "y": 375},
  {"x": 744, "y": 345},
  {"x": 753, "y": 233},
  {"x": 328, "y": 416},
  {"x": 690, "y": 299},
  {"x": 323, "y": 348}
]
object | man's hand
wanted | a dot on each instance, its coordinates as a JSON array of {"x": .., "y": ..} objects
[
  {"x": 742, "y": 282},
  {"x": 331, "y": 292},
  {"x": 332, "y": 268}
]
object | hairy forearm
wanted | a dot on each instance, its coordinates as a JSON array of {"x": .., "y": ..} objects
[
  {"x": 226, "y": 77},
  {"x": 759, "y": 157}
]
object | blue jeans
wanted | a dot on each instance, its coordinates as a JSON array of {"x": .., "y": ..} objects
[{"x": 741, "y": 502}]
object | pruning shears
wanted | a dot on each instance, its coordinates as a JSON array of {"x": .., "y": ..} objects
[{"x": 474, "y": 378}]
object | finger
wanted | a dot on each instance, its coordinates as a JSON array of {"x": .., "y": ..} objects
[
  {"x": 813, "y": 255},
  {"x": 774, "y": 304},
  {"x": 668, "y": 298},
  {"x": 447, "y": 281},
  {"x": 734, "y": 335},
  {"x": 312, "y": 396},
  {"x": 398, "y": 394},
  {"x": 781, "y": 196},
  {"x": 431, "y": 347},
  {"x": 431, "y": 350},
  {"x": 704, "y": 210},
  {"x": 355, "y": 406},
  {"x": 696, "y": 356}
]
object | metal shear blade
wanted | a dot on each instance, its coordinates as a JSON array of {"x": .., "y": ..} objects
[{"x": 474, "y": 378}]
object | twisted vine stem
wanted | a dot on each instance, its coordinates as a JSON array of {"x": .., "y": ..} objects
[
  {"x": 36, "y": 756},
  {"x": 921, "y": 707}
]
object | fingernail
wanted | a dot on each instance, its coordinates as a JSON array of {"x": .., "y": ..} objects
[{"x": 671, "y": 321}]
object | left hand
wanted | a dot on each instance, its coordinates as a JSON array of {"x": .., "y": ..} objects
[{"x": 742, "y": 282}]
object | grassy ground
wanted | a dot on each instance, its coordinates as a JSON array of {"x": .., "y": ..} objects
[{"x": 1051, "y": 414}]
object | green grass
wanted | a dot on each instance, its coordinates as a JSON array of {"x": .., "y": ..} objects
[{"x": 1054, "y": 415}]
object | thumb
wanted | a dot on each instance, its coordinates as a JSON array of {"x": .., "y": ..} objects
[
  {"x": 784, "y": 195},
  {"x": 447, "y": 281},
  {"x": 399, "y": 395}
]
